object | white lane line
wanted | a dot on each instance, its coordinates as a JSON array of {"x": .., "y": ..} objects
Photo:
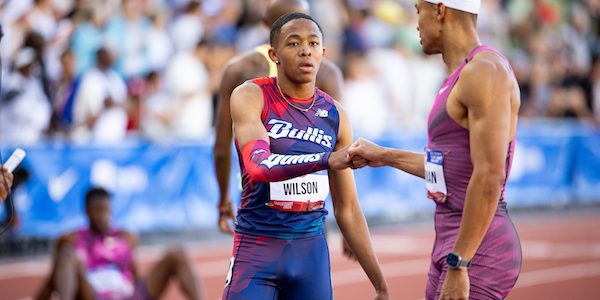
[
  {"x": 395, "y": 269},
  {"x": 553, "y": 251},
  {"x": 558, "y": 274}
]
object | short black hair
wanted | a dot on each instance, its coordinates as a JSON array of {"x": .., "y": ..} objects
[
  {"x": 96, "y": 193},
  {"x": 276, "y": 28}
]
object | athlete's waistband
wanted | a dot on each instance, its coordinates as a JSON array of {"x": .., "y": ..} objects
[
  {"x": 448, "y": 208},
  {"x": 281, "y": 235}
]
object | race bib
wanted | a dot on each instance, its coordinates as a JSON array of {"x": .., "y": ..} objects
[
  {"x": 110, "y": 281},
  {"x": 304, "y": 193},
  {"x": 435, "y": 182}
]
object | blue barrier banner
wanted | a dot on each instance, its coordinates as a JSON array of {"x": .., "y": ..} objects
[
  {"x": 153, "y": 187},
  {"x": 157, "y": 187}
]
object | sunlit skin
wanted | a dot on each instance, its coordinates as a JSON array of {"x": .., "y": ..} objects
[
  {"x": 298, "y": 53},
  {"x": 98, "y": 211},
  {"x": 429, "y": 27}
]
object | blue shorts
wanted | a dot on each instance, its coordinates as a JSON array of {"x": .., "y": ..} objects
[{"x": 269, "y": 268}]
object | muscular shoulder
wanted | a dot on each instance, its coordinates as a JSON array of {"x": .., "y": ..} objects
[
  {"x": 330, "y": 80},
  {"x": 246, "y": 66},
  {"x": 485, "y": 76},
  {"x": 247, "y": 94}
]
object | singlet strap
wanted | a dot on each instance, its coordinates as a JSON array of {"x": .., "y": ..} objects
[{"x": 487, "y": 48}]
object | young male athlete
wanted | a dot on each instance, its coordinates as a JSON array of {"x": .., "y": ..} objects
[
  {"x": 288, "y": 133},
  {"x": 255, "y": 64},
  {"x": 471, "y": 128},
  {"x": 98, "y": 262}
]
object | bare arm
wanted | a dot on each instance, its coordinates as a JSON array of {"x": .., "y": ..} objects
[
  {"x": 132, "y": 240},
  {"x": 349, "y": 216},
  {"x": 488, "y": 104},
  {"x": 222, "y": 147},
  {"x": 366, "y": 153}
]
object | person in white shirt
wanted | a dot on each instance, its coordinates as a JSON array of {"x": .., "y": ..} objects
[
  {"x": 24, "y": 108},
  {"x": 99, "y": 111}
]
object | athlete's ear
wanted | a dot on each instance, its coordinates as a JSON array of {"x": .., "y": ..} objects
[
  {"x": 440, "y": 11},
  {"x": 273, "y": 55},
  {"x": 324, "y": 51}
]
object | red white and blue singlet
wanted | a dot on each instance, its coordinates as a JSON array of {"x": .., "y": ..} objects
[
  {"x": 279, "y": 250},
  {"x": 292, "y": 208}
]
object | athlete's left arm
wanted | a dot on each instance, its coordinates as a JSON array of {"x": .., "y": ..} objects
[
  {"x": 485, "y": 91},
  {"x": 348, "y": 214},
  {"x": 330, "y": 80},
  {"x": 132, "y": 240}
]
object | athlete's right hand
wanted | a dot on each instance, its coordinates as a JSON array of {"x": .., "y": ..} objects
[
  {"x": 339, "y": 159},
  {"x": 365, "y": 153},
  {"x": 226, "y": 216}
]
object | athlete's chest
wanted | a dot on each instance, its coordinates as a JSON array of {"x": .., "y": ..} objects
[{"x": 297, "y": 132}]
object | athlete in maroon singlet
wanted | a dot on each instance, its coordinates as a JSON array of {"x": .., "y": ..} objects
[{"x": 471, "y": 130}]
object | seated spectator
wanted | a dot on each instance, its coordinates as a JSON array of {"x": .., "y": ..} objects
[
  {"x": 98, "y": 262},
  {"x": 24, "y": 108}
]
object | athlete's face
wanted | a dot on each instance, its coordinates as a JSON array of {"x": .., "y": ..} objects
[
  {"x": 299, "y": 50},
  {"x": 429, "y": 27},
  {"x": 98, "y": 212}
]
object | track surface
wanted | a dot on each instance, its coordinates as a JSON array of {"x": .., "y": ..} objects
[{"x": 561, "y": 260}]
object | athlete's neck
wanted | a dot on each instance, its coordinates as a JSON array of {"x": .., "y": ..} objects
[
  {"x": 458, "y": 41},
  {"x": 296, "y": 90}
]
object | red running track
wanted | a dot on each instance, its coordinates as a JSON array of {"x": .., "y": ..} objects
[{"x": 561, "y": 260}]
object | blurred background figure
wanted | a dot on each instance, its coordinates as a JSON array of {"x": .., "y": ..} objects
[
  {"x": 98, "y": 262},
  {"x": 98, "y": 112},
  {"x": 187, "y": 82},
  {"x": 24, "y": 108}
]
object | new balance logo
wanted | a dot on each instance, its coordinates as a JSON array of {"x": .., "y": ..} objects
[
  {"x": 283, "y": 129},
  {"x": 322, "y": 113}
]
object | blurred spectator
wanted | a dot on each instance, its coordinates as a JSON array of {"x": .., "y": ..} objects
[
  {"x": 36, "y": 42},
  {"x": 127, "y": 36},
  {"x": 187, "y": 29},
  {"x": 42, "y": 20},
  {"x": 98, "y": 112},
  {"x": 64, "y": 93},
  {"x": 24, "y": 108},
  {"x": 187, "y": 83},
  {"x": 252, "y": 32},
  {"x": 88, "y": 36},
  {"x": 595, "y": 78},
  {"x": 156, "y": 110},
  {"x": 551, "y": 45},
  {"x": 15, "y": 25},
  {"x": 576, "y": 35},
  {"x": 364, "y": 99},
  {"x": 159, "y": 46}
]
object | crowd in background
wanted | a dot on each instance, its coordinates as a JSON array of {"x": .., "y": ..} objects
[{"x": 103, "y": 71}]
